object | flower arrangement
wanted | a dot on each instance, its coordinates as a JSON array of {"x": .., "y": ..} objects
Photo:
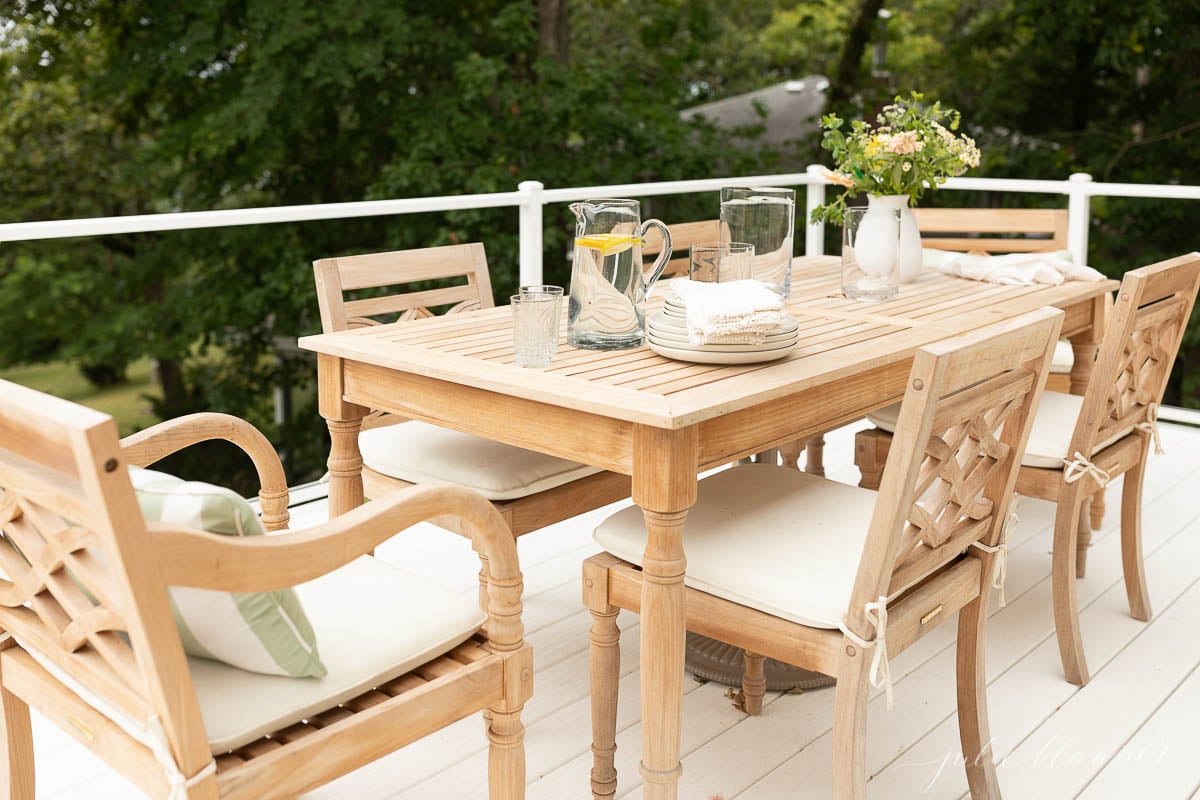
[{"x": 913, "y": 146}]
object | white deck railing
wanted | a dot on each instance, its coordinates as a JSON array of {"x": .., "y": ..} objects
[{"x": 532, "y": 196}]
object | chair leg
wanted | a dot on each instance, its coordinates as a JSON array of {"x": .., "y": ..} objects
[
  {"x": 814, "y": 456},
  {"x": 1097, "y": 513},
  {"x": 1066, "y": 608},
  {"x": 1132, "y": 561},
  {"x": 850, "y": 725},
  {"x": 870, "y": 454},
  {"x": 604, "y": 667},
  {"x": 789, "y": 454},
  {"x": 16, "y": 776},
  {"x": 972, "y": 699},
  {"x": 506, "y": 755},
  {"x": 1083, "y": 538},
  {"x": 204, "y": 790},
  {"x": 754, "y": 684}
]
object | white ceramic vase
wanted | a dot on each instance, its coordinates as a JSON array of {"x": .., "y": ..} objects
[{"x": 877, "y": 238}]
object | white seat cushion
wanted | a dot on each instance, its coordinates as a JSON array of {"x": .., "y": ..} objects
[
  {"x": 885, "y": 418},
  {"x": 1064, "y": 357},
  {"x": 1048, "y": 441},
  {"x": 418, "y": 452},
  {"x": 374, "y": 622},
  {"x": 781, "y": 541},
  {"x": 1050, "y": 438}
]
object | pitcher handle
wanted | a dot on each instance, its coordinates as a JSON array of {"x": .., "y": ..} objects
[{"x": 664, "y": 255}]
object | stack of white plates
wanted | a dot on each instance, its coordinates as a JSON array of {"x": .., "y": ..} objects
[{"x": 667, "y": 335}]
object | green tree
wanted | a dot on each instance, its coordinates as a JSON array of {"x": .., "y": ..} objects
[{"x": 229, "y": 103}]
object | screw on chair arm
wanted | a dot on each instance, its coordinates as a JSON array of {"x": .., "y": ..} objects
[{"x": 159, "y": 441}]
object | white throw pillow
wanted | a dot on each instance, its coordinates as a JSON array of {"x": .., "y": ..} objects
[{"x": 265, "y": 632}]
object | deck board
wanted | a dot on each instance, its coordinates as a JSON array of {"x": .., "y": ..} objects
[{"x": 1145, "y": 688}]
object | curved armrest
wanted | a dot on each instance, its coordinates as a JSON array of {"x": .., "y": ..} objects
[
  {"x": 159, "y": 441},
  {"x": 203, "y": 560}
]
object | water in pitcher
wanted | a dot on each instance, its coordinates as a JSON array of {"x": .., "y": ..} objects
[
  {"x": 600, "y": 315},
  {"x": 766, "y": 219}
]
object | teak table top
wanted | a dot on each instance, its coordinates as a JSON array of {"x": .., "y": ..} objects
[{"x": 838, "y": 338}]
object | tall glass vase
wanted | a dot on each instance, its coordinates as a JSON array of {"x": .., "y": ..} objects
[{"x": 908, "y": 262}]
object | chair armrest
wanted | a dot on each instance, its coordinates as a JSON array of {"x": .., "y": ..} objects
[
  {"x": 159, "y": 441},
  {"x": 201, "y": 560}
]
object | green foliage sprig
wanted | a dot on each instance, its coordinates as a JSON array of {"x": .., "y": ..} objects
[{"x": 912, "y": 147}]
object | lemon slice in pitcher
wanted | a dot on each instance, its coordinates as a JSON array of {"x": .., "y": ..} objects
[{"x": 608, "y": 243}]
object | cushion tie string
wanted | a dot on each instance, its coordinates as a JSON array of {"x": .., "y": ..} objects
[
  {"x": 1001, "y": 549},
  {"x": 881, "y": 671},
  {"x": 1079, "y": 466},
  {"x": 1150, "y": 426}
]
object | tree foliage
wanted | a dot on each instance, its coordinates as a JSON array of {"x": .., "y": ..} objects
[{"x": 116, "y": 107}]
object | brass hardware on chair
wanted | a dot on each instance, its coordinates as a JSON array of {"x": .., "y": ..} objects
[{"x": 931, "y": 615}]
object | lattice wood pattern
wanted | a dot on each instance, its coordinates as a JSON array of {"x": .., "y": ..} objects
[
  {"x": 1145, "y": 360},
  {"x": 60, "y": 598},
  {"x": 963, "y": 453}
]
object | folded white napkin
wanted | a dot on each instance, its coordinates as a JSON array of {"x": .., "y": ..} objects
[
  {"x": 1014, "y": 269},
  {"x": 737, "y": 312}
]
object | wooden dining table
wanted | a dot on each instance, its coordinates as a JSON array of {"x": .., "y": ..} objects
[{"x": 663, "y": 421}]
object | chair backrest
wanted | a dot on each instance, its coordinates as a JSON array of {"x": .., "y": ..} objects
[
  {"x": 81, "y": 588},
  {"x": 963, "y": 425},
  {"x": 351, "y": 274},
  {"x": 993, "y": 230},
  {"x": 683, "y": 236},
  {"x": 1145, "y": 328}
]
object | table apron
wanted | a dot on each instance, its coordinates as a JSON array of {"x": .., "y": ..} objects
[
  {"x": 563, "y": 432},
  {"x": 799, "y": 416}
]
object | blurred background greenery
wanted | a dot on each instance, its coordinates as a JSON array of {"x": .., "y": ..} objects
[{"x": 112, "y": 107}]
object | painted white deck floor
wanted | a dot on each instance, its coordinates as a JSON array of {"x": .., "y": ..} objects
[{"x": 1134, "y": 731}]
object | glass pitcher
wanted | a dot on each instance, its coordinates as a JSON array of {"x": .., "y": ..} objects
[{"x": 607, "y": 309}]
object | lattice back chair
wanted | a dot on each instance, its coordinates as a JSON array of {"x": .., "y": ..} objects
[
  {"x": 531, "y": 490},
  {"x": 461, "y": 262},
  {"x": 89, "y": 639},
  {"x": 1111, "y": 429},
  {"x": 853, "y": 577},
  {"x": 993, "y": 230},
  {"x": 683, "y": 236},
  {"x": 990, "y": 231}
]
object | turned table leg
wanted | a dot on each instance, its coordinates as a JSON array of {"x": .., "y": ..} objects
[
  {"x": 345, "y": 421},
  {"x": 664, "y": 485}
]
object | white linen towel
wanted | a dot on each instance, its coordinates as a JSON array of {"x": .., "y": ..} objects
[
  {"x": 737, "y": 312},
  {"x": 1014, "y": 269}
]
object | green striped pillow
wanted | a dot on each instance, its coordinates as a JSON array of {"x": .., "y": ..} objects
[{"x": 264, "y": 632}]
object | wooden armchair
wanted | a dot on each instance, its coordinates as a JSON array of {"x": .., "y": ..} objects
[
  {"x": 529, "y": 489},
  {"x": 852, "y": 577},
  {"x": 1079, "y": 443},
  {"x": 89, "y": 640}
]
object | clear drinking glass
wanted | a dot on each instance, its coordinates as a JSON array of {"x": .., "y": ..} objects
[
  {"x": 536, "y": 319},
  {"x": 870, "y": 253},
  {"x": 540, "y": 288},
  {"x": 766, "y": 218},
  {"x": 721, "y": 262}
]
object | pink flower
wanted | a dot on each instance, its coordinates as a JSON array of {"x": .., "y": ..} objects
[
  {"x": 837, "y": 177},
  {"x": 904, "y": 143}
]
